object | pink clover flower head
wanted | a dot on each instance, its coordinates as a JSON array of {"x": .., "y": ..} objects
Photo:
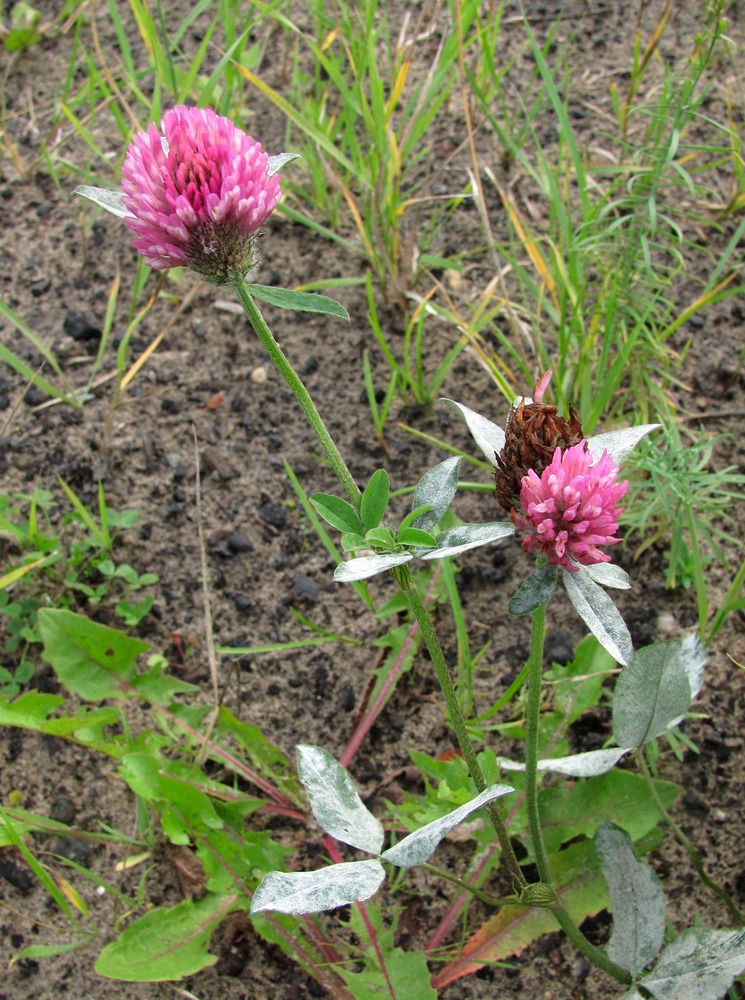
[
  {"x": 198, "y": 195},
  {"x": 571, "y": 508}
]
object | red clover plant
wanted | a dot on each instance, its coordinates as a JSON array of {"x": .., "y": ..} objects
[{"x": 197, "y": 195}]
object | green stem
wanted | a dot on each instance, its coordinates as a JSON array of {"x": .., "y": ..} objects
[
  {"x": 690, "y": 849},
  {"x": 302, "y": 395},
  {"x": 535, "y": 671},
  {"x": 457, "y": 721},
  {"x": 472, "y": 889},
  {"x": 419, "y": 611},
  {"x": 591, "y": 953}
]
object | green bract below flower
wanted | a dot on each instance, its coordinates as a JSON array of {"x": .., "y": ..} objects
[{"x": 562, "y": 492}]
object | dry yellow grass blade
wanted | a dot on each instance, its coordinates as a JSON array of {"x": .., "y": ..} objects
[{"x": 527, "y": 241}]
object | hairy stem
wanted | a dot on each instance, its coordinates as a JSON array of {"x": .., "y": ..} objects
[
  {"x": 302, "y": 395},
  {"x": 457, "y": 721},
  {"x": 535, "y": 671}
]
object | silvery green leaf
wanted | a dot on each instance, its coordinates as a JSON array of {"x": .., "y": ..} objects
[
  {"x": 419, "y": 846},
  {"x": 654, "y": 692},
  {"x": 466, "y": 536},
  {"x": 699, "y": 965},
  {"x": 609, "y": 575},
  {"x": 636, "y": 898},
  {"x": 324, "y": 889},
  {"x": 276, "y": 163},
  {"x": 599, "y": 613},
  {"x": 536, "y": 590},
  {"x": 112, "y": 201},
  {"x": 618, "y": 444},
  {"x": 486, "y": 434},
  {"x": 335, "y": 802},
  {"x": 693, "y": 657},
  {"x": 632, "y": 995},
  {"x": 436, "y": 490},
  {"x": 365, "y": 566},
  {"x": 579, "y": 765}
]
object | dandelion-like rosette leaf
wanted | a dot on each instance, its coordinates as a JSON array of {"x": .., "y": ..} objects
[
  {"x": 571, "y": 509},
  {"x": 198, "y": 194}
]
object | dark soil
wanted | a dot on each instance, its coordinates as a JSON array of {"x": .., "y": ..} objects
[{"x": 209, "y": 377}]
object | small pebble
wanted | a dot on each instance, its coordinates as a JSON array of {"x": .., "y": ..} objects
[
  {"x": 694, "y": 803},
  {"x": 239, "y": 542},
  {"x": 259, "y": 375},
  {"x": 79, "y": 328},
  {"x": 347, "y": 698},
  {"x": 63, "y": 809},
  {"x": 305, "y": 589},
  {"x": 274, "y": 514}
]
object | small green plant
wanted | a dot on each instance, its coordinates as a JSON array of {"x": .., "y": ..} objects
[
  {"x": 64, "y": 564},
  {"x": 678, "y": 494}
]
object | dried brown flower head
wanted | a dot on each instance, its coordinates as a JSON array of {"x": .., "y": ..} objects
[{"x": 534, "y": 432}]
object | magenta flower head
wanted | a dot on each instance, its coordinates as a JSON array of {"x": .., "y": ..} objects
[
  {"x": 571, "y": 508},
  {"x": 198, "y": 194}
]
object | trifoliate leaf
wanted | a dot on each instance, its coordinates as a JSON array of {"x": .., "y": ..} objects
[
  {"x": 288, "y": 298},
  {"x": 375, "y": 499},
  {"x": 609, "y": 575},
  {"x": 279, "y": 160},
  {"x": 337, "y": 512},
  {"x": 579, "y": 765}
]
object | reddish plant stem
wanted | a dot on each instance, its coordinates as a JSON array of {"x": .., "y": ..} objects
[
  {"x": 336, "y": 857},
  {"x": 355, "y": 740}
]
